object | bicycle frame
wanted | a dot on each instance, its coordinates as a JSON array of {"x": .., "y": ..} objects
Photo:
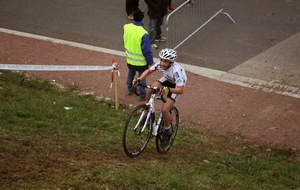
[
  {"x": 151, "y": 104},
  {"x": 155, "y": 125}
]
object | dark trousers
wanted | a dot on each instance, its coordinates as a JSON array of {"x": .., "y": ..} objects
[
  {"x": 131, "y": 6},
  {"x": 130, "y": 76}
]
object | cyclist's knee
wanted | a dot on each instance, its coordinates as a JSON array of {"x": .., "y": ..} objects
[
  {"x": 164, "y": 110},
  {"x": 166, "y": 107},
  {"x": 157, "y": 84}
]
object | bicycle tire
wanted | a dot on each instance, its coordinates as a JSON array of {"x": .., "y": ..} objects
[
  {"x": 175, "y": 125},
  {"x": 134, "y": 139}
]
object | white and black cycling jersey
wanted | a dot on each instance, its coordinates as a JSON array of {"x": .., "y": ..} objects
[{"x": 174, "y": 74}]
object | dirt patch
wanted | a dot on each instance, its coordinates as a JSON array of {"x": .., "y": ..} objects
[{"x": 262, "y": 117}]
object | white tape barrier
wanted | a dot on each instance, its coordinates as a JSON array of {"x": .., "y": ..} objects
[{"x": 54, "y": 67}]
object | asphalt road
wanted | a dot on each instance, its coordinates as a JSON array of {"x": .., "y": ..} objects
[{"x": 220, "y": 45}]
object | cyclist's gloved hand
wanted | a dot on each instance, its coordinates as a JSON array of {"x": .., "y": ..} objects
[
  {"x": 135, "y": 82},
  {"x": 165, "y": 90}
]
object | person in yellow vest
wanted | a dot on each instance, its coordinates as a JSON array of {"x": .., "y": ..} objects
[{"x": 138, "y": 51}]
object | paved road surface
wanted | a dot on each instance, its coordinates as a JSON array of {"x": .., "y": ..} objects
[{"x": 220, "y": 45}]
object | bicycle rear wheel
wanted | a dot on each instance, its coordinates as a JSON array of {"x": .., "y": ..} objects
[
  {"x": 137, "y": 131},
  {"x": 174, "y": 127}
]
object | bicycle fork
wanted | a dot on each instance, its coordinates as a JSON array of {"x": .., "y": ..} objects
[
  {"x": 140, "y": 120},
  {"x": 150, "y": 115},
  {"x": 156, "y": 125}
]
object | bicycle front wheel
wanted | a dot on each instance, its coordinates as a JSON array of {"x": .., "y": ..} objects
[
  {"x": 137, "y": 131},
  {"x": 161, "y": 148}
]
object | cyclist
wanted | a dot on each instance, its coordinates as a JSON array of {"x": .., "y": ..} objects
[{"x": 171, "y": 83}]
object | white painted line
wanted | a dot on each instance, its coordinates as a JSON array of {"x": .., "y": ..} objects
[
  {"x": 267, "y": 86},
  {"x": 64, "y": 42}
]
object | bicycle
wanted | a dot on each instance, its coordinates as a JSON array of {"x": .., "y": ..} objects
[{"x": 142, "y": 125}]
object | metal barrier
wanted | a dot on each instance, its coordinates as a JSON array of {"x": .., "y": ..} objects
[{"x": 184, "y": 22}]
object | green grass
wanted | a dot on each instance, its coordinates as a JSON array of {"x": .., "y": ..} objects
[{"x": 45, "y": 146}]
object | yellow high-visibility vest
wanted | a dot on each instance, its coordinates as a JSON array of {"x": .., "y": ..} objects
[{"x": 132, "y": 41}]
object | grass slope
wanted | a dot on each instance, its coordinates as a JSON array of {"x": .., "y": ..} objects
[{"x": 43, "y": 145}]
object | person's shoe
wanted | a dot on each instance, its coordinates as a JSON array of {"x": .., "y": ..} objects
[
  {"x": 166, "y": 138},
  {"x": 130, "y": 17},
  {"x": 161, "y": 39},
  {"x": 129, "y": 93},
  {"x": 188, "y": 5},
  {"x": 170, "y": 9},
  {"x": 142, "y": 99},
  {"x": 154, "y": 46}
]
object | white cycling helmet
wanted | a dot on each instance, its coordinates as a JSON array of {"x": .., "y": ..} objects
[{"x": 168, "y": 54}]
